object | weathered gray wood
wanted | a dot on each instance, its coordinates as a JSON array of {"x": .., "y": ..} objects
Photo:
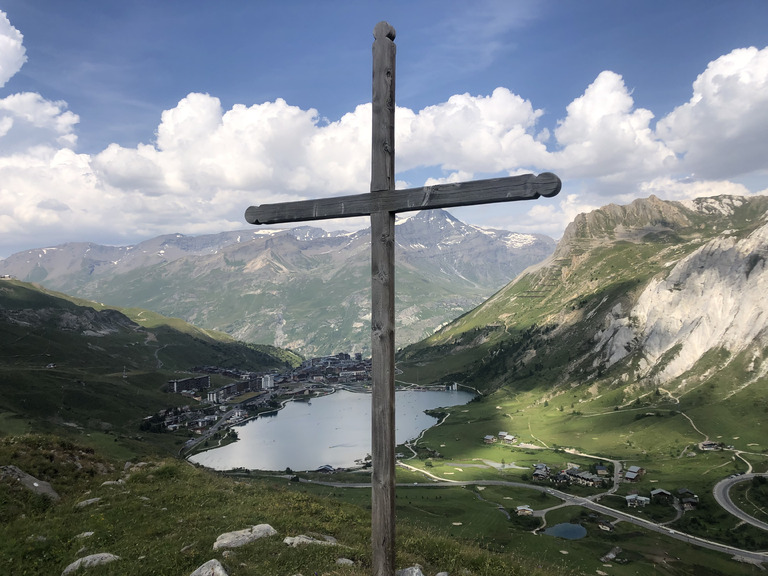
[
  {"x": 525, "y": 187},
  {"x": 383, "y": 305},
  {"x": 382, "y": 203}
]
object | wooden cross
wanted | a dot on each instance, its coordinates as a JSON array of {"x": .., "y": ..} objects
[{"x": 382, "y": 203}]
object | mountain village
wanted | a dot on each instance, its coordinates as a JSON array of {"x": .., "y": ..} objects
[{"x": 251, "y": 394}]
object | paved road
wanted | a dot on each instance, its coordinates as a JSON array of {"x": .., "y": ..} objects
[
  {"x": 721, "y": 492},
  {"x": 570, "y": 500}
]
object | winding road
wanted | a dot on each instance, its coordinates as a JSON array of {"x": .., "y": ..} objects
[
  {"x": 570, "y": 500},
  {"x": 721, "y": 492}
]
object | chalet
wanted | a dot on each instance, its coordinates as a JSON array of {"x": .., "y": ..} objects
[
  {"x": 661, "y": 496},
  {"x": 633, "y": 474},
  {"x": 582, "y": 477},
  {"x": 561, "y": 478},
  {"x": 588, "y": 479},
  {"x": 635, "y": 501},
  {"x": 489, "y": 439},
  {"x": 690, "y": 503},
  {"x": 540, "y": 472},
  {"x": 524, "y": 510},
  {"x": 509, "y": 439},
  {"x": 502, "y": 435},
  {"x": 688, "y": 499},
  {"x": 601, "y": 470}
]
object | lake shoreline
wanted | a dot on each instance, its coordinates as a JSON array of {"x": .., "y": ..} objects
[{"x": 301, "y": 436}]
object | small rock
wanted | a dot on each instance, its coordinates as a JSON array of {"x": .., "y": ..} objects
[
  {"x": 84, "y": 535},
  {"x": 344, "y": 562},
  {"x": 410, "y": 571},
  {"x": 442, "y": 574},
  {"x": 88, "y": 561},
  {"x": 88, "y": 502},
  {"x": 330, "y": 539},
  {"x": 210, "y": 568},
  {"x": 37, "y": 538},
  {"x": 241, "y": 537},
  {"x": 301, "y": 539},
  {"x": 113, "y": 482}
]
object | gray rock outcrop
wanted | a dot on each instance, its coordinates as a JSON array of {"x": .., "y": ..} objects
[
  {"x": 714, "y": 298},
  {"x": 210, "y": 568},
  {"x": 30, "y": 482},
  {"x": 242, "y": 537},
  {"x": 410, "y": 571},
  {"x": 301, "y": 540},
  {"x": 89, "y": 561}
]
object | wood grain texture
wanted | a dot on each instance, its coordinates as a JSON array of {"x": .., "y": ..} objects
[
  {"x": 524, "y": 187},
  {"x": 383, "y": 305}
]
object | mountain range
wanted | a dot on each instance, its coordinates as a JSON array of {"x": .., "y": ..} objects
[
  {"x": 651, "y": 295},
  {"x": 302, "y": 288}
]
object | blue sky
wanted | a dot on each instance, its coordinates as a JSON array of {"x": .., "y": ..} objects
[{"x": 122, "y": 121}]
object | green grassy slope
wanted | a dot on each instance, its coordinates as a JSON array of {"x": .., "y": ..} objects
[
  {"x": 167, "y": 514},
  {"x": 531, "y": 350},
  {"x": 76, "y": 369},
  {"x": 538, "y": 331}
]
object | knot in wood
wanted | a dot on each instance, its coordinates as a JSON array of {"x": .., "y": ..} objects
[{"x": 384, "y": 30}]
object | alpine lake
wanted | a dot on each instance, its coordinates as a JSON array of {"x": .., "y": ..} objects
[{"x": 332, "y": 430}]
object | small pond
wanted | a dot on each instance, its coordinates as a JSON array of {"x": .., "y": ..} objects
[{"x": 567, "y": 531}]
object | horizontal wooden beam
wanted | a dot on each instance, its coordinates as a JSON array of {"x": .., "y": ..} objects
[{"x": 525, "y": 187}]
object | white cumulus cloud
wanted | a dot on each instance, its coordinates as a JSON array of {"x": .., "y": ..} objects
[
  {"x": 721, "y": 131},
  {"x": 471, "y": 133},
  {"x": 13, "y": 55},
  {"x": 604, "y": 136}
]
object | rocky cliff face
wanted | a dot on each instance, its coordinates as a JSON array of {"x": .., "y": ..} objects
[
  {"x": 650, "y": 294},
  {"x": 714, "y": 298}
]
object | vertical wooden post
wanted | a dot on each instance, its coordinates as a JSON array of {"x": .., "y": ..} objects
[{"x": 383, "y": 306}]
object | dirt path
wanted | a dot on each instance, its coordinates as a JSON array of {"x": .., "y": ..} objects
[
  {"x": 706, "y": 438},
  {"x": 534, "y": 437}
]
